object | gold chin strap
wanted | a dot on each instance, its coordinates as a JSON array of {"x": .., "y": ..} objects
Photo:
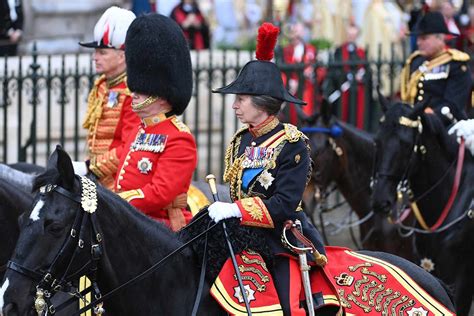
[{"x": 144, "y": 104}]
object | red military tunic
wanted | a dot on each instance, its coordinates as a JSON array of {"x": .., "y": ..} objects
[
  {"x": 158, "y": 168},
  {"x": 109, "y": 121}
]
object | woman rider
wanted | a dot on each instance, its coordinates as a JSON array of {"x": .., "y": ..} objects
[{"x": 267, "y": 166}]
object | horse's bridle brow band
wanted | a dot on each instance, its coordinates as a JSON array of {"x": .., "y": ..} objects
[{"x": 405, "y": 121}]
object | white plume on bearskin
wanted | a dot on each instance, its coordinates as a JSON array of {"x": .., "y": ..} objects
[{"x": 112, "y": 27}]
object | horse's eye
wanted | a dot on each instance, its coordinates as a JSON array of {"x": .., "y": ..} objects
[{"x": 54, "y": 229}]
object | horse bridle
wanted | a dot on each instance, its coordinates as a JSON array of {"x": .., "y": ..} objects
[
  {"x": 403, "y": 183},
  {"x": 48, "y": 281}
]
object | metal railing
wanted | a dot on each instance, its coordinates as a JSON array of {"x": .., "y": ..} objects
[{"x": 43, "y": 100}]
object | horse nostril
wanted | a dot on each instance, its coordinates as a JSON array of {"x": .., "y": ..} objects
[{"x": 10, "y": 310}]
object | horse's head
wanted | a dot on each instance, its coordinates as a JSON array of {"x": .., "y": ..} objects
[
  {"x": 323, "y": 130},
  {"x": 55, "y": 241},
  {"x": 397, "y": 148}
]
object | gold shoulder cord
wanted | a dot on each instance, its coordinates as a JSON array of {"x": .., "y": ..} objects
[
  {"x": 94, "y": 110},
  {"x": 233, "y": 168}
]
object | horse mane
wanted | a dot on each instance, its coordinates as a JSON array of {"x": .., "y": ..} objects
[
  {"x": 241, "y": 237},
  {"x": 362, "y": 134}
]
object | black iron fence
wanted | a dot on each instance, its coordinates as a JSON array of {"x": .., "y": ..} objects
[{"x": 43, "y": 101}]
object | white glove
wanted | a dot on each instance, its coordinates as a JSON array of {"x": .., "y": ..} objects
[
  {"x": 470, "y": 144},
  {"x": 80, "y": 168},
  {"x": 221, "y": 210},
  {"x": 464, "y": 128}
]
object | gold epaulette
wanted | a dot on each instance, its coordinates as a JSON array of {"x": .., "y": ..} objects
[
  {"x": 180, "y": 125},
  {"x": 292, "y": 133},
  {"x": 99, "y": 80},
  {"x": 458, "y": 55},
  {"x": 412, "y": 56},
  {"x": 239, "y": 131}
]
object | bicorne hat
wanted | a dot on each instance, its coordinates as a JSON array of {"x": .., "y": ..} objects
[
  {"x": 158, "y": 60},
  {"x": 111, "y": 29},
  {"x": 261, "y": 76},
  {"x": 431, "y": 22}
]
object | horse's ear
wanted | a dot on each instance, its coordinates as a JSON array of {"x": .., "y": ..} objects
[
  {"x": 64, "y": 167},
  {"x": 53, "y": 159},
  {"x": 384, "y": 102},
  {"x": 326, "y": 111},
  {"x": 418, "y": 109}
]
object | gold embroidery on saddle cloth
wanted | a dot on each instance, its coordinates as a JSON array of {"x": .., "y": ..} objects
[
  {"x": 368, "y": 294},
  {"x": 402, "y": 300},
  {"x": 263, "y": 278},
  {"x": 388, "y": 301},
  {"x": 381, "y": 277},
  {"x": 358, "y": 284},
  {"x": 260, "y": 287},
  {"x": 366, "y": 289},
  {"x": 342, "y": 297},
  {"x": 373, "y": 292},
  {"x": 246, "y": 260},
  {"x": 364, "y": 307},
  {"x": 357, "y": 266}
]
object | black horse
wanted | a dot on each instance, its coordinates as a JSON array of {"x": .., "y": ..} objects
[
  {"x": 344, "y": 155},
  {"x": 15, "y": 198},
  {"x": 415, "y": 154},
  {"x": 129, "y": 243}
]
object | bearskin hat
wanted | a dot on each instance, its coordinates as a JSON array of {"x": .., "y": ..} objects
[
  {"x": 158, "y": 60},
  {"x": 262, "y": 76},
  {"x": 110, "y": 30}
]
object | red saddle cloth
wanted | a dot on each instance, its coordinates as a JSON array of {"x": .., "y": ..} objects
[
  {"x": 369, "y": 286},
  {"x": 363, "y": 285},
  {"x": 258, "y": 284}
]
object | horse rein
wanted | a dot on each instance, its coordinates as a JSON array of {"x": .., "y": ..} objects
[{"x": 48, "y": 284}]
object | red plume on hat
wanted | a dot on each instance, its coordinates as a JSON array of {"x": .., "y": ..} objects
[{"x": 266, "y": 41}]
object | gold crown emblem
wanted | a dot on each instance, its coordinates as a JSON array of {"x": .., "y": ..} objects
[{"x": 344, "y": 279}]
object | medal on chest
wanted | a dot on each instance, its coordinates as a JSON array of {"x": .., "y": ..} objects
[
  {"x": 144, "y": 165},
  {"x": 112, "y": 101},
  {"x": 437, "y": 73},
  {"x": 150, "y": 142},
  {"x": 257, "y": 157}
]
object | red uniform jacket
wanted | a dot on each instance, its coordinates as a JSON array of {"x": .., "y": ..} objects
[{"x": 158, "y": 167}]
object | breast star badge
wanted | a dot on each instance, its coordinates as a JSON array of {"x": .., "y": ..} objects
[
  {"x": 266, "y": 179},
  {"x": 144, "y": 165}
]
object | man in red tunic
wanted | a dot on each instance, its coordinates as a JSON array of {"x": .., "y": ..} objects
[
  {"x": 155, "y": 173},
  {"x": 109, "y": 118},
  {"x": 300, "y": 52},
  {"x": 192, "y": 22}
]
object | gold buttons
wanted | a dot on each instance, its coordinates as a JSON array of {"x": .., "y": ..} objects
[
  {"x": 421, "y": 92},
  {"x": 420, "y": 98},
  {"x": 119, "y": 187},
  {"x": 420, "y": 84}
]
